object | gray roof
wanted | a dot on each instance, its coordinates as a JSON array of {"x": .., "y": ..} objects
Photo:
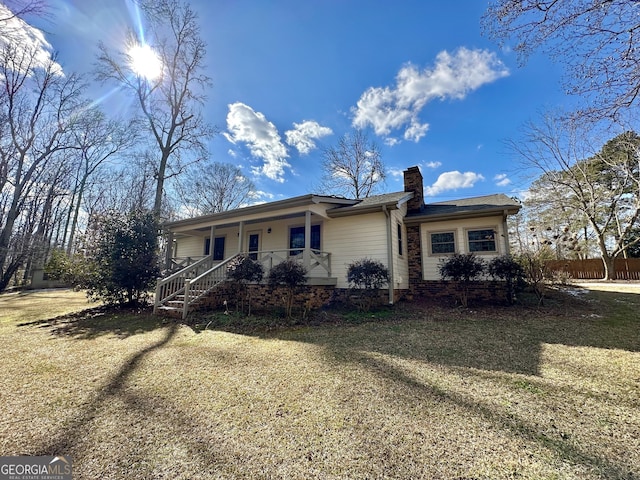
[
  {"x": 467, "y": 207},
  {"x": 265, "y": 208},
  {"x": 371, "y": 204}
]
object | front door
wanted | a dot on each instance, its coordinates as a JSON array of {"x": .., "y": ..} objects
[{"x": 254, "y": 245}]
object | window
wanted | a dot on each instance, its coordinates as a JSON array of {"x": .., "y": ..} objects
[
  {"x": 399, "y": 239},
  {"x": 296, "y": 239},
  {"x": 443, "y": 242},
  {"x": 254, "y": 245},
  {"x": 482, "y": 240},
  {"x": 218, "y": 248}
]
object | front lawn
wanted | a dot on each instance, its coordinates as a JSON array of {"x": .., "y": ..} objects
[{"x": 418, "y": 392}]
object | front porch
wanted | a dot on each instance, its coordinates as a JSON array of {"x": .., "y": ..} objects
[
  {"x": 199, "y": 253},
  {"x": 200, "y": 249},
  {"x": 180, "y": 291},
  {"x": 316, "y": 262}
]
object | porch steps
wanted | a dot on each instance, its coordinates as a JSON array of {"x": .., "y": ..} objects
[{"x": 175, "y": 307}]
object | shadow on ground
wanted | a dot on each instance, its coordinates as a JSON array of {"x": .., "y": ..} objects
[
  {"x": 496, "y": 340},
  {"x": 499, "y": 338},
  {"x": 103, "y": 320}
]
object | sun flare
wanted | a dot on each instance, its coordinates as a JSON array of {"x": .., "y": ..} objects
[{"x": 145, "y": 62}]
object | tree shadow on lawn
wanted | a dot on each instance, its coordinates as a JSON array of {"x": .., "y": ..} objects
[
  {"x": 103, "y": 320},
  {"x": 556, "y": 440},
  {"x": 493, "y": 342},
  {"x": 500, "y": 338},
  {"x": 145, "y": 419},
  {"x": 506, "y": 340}
]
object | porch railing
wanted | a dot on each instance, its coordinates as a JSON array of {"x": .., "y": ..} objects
[
  {"x": 171, "y": 287},
  {"x": 317, "y": 260},
  {"x": 193, "y": 282},
  {"x": 198, "y": 287},
  {"x": 178, "y": 263}
]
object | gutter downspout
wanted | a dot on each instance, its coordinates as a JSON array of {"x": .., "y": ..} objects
[
  {"x": 505, "y": 231},
  {"x": 389, "y": 253}
]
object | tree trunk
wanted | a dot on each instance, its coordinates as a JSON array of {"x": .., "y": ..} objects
[
  {"x": 157, "y": 204},
  {"x": 76, "y": 214},
  {"x": 609, "y": 267},
  {"x": 5, "y": 241}
]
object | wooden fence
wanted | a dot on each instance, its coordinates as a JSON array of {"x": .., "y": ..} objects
[{"x": 593, "y": 268}]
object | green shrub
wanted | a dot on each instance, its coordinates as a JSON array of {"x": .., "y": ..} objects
[
  {"x": 291, "y": 275},
  {"x": 243, "y": 270},
  {"x": 463, "y": 269},
  {"x": 366, "y": 277},
  {"x": 507, "y": 269},
  {"x": 126, "y": 262},
  {"x": 74, "y": 270}
]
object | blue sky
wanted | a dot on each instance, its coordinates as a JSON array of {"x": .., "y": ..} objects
[{"x": 291, "y": 77}]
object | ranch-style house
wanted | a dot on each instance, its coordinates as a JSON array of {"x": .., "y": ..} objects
[{"x": 326, "y": 234}]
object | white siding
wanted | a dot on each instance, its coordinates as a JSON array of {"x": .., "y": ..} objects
[
  {"x": 400, "y": 262},
  {"x": 460, "y": 228},
  {"x": 193, "y": 246},
  {"x": 189, "y": 247},
  {"x": 347, "y": 239},
  {"x": 353, "y": 238}
]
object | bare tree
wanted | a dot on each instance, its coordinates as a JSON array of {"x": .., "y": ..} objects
[
  {"x": 595, "y": 39},
  {"x": 601, "y": 184},
  {"x": 38, "y": 109},
  {"x": 354, "y": 167},
  {"x": 97, "y": 140},
  {"x": 171, "y": 102},
  {"x": 213, "y": 187},
  {"x": 18, "y": 8}
]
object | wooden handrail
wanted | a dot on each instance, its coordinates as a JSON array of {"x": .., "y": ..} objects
[
  {"x": 203, "y": 284},
  {"x": 199, "y": 278}
]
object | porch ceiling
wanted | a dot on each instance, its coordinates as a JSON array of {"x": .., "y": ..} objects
[{"x": 204, "y": 230}]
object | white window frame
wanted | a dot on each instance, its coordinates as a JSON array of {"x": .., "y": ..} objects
[
  {"x": 496, "y": 244},
  {"x": 297, "y": 226},
  {"x": 440, "y": 254}
]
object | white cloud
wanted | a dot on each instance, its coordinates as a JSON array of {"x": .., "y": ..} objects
[
  {"x": 398, "y": 107},
  {"x": 453, "y": 181},
  {"x": 433, "y": 165},
  {"x": 303, "y": 135},
  {"x": 396, "y": 172},
  {"x": 502, "y": 180},
  {"x": 261, "y": 137},
  {"x": 416, "y": 131},
  {"x": 18, "y": 34}
]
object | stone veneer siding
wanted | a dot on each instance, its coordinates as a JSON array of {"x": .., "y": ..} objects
[{"x": 265, "y": 297}]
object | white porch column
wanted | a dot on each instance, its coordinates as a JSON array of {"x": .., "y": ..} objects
[
  {"x": 306, "y": 256},
  {"x": 240, "y": 237}
]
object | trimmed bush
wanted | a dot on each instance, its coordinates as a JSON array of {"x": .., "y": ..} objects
[
  {"x": 291, "y": 275},
  {"x": 463, "y": 269},
  {"x": 507, "y": 269},
  {"x": 366, "y": 277},
  {"x": 241, "y": 271}
]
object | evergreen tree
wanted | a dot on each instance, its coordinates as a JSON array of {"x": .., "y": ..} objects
[{"x": 126, "y": 263}]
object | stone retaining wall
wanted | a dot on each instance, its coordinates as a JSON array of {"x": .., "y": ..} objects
[{"x": 265, "y": 297}]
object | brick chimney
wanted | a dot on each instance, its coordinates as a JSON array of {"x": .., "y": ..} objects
[{"x": 413, "y": 183}]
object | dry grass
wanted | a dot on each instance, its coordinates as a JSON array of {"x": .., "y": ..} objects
[{"x": 425, "y": 392}]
